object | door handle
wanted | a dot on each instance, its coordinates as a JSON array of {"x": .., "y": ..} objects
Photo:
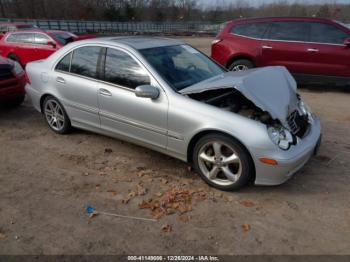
[
  {"x": 60, "y": 80},
  {"x": 266, "y": 47},
  {"x": 312, "y": 50},
  {"x": 105, "y": 92}
]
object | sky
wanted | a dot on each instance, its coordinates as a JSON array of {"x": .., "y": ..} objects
[{"x": 260, "y": 2}]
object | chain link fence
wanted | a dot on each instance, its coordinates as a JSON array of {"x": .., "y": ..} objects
[{"x": 78, "y": 26}]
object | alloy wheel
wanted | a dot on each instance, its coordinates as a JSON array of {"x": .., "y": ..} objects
[
  {"x": 54, "y": 115},
  {"x": 220, "y": 163},
  {"x": 238, "y": 68}
]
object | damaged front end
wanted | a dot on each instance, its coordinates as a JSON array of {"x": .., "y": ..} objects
[{"x": 267, "y": 95}]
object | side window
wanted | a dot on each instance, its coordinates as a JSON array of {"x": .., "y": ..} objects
[
  {"x": 21, "y": 38},
  {"x": 64, "y": 64},
  {"x": 255, "y": 30},
  {"x": 325, "y": 33},
  {"x": 289, "y": 31},
  {"x": 122, "y": 69},
  {"x": 85, "y": 61},
  {"x": 41, "y": 39},
  {"x": 12, "y": 38}
]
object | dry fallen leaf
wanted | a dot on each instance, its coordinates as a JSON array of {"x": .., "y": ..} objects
[
  {"x": 159, "y": 194},
  {"x": 247, "y": 203},
  {"x": 108, "y": 150},
  {"x": 2, "y": 236},
  {"x": 141, "y": 191},
  {"x": 185, "y": 218},
  {"x": 246, "y": 227},
  {"x": 113, "y": 192},
  {"x": 166, "y": 228},
  {"x": 131, "y": 194}
]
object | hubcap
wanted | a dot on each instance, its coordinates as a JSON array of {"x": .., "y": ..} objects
[
  {"x": 220, "y": 163},
  {"x": 54, "y": 115},
  {"x": 238, "y": 68}
]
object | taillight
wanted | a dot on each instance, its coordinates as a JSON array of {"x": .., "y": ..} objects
[{"x": 216, "y": 41}]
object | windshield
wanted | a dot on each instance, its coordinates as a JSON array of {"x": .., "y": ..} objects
[
  {"x": 63, "y": 38},
  {"x": 181, "y": 65}
]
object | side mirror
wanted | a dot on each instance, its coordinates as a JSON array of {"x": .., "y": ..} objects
[
  {"x": 52, "y": 43},
  {"x": 347, "y": 42},
  {"x": 147, "y": 91}
]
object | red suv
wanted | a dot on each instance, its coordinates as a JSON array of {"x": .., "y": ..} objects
[
  {"x": 12, "y": 82},
  {"x": 314, "y": 50},
  {"x": 28, "y": 45}
]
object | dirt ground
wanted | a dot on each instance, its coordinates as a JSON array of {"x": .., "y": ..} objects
[{"x": 47, "y": 180}]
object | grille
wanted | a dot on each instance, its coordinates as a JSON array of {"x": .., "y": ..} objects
[{"x": 298, "y": 124}]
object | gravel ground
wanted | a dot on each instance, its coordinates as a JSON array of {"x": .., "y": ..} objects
[{"x": 46, "y": 180}]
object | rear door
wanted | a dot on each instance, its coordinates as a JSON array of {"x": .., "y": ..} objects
[
  {"x": 76, "y": 80},
  {"x": 286, "y": 45},
  {"x": 327, "y": 54}
]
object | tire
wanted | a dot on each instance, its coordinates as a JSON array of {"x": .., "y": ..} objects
[
  {"x": 240, "y": 65},
  {"x": 55, "y": 116},
  {"x": 233, "y": 165}
]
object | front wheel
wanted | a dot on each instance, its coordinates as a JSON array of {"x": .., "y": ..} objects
[
  {"x": 55, "y": 115},
  {"x": 223, "y": 162}
]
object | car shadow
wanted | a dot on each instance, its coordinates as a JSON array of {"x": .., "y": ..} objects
[{"x": 324, "y": 88}]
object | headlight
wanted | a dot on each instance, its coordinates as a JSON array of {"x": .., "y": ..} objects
[
  {"x": 17, "y": 69},
  {"x": 281, "y": 137}
]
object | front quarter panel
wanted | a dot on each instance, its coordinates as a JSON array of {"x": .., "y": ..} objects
[{"x": 188, "y": 117}]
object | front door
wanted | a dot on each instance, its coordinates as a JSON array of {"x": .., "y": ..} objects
[
  {"x": 285, "y": 45},
  {"x": 328, "y": 55},
  {"x": 121, "y": 112}
]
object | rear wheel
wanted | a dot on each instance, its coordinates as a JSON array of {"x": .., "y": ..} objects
[
  {"x": 55, "y": 115},
  {"x": 240, "y": 65},
  {"x": 223, "y": 162}
]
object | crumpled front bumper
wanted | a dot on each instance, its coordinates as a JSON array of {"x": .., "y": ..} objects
[{"x": 290, "y": 161}]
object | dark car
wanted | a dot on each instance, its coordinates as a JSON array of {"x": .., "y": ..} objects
[
  {"x": 12, "y": 82},
  {"x": 314, "y": 50}
]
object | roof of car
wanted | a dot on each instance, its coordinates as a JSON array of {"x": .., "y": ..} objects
[
  {"x": 35, "y": 30},
  {"x": 283, "y": 18},
  {"x": 143, "y": 42}
]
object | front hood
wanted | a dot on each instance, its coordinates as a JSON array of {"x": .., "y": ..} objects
[{"x": 272, "y": 89}]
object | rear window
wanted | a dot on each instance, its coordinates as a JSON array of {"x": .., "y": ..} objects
[
  {"x": 63, "y": 38},
  {"x": 289, "y": 31},
  {"x": 255, "y": 30}
]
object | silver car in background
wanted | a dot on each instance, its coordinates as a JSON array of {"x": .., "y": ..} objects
[{"x": 233, "y": 127}]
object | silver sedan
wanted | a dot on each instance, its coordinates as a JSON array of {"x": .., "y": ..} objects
[{"x": 233, "y": 127}]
